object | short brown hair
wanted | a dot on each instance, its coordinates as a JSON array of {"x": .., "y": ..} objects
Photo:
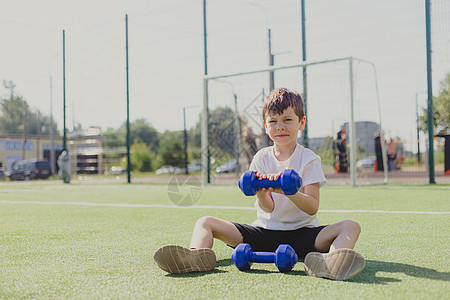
[{"x": 280, "y": 99}]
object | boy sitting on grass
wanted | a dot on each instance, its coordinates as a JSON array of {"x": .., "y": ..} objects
[{"x": 327, "y": 251}]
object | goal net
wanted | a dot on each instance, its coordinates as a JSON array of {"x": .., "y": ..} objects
[{"x": 343, "y": 119}]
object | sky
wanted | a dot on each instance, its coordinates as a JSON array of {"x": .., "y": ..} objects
[{"x": 166, "y": 58}]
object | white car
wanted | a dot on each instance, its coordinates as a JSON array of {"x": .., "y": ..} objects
[
  {"x": 169, "y": 170},
  {"x": 194, "y": 166},
  {"x": 366, "y": 164},
  {"x": 229, "y": 166}
]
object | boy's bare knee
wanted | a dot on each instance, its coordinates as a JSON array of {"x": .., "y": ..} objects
[
  {"x": 205, "y": 221},
  {"x": 352, "y": 226}
]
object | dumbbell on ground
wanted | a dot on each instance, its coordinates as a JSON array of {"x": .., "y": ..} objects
[
  {"x": 289, "y": 182},
  {"x": 284, "y": 257}
]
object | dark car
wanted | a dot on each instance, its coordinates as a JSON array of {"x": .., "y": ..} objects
[{"x": 30, "y": 169}]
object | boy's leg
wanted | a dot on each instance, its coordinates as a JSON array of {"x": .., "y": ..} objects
[
  {"x": 208, "y": 228},
  {"x": 200, "y": 258},
  {"x": 336, "y": 236},
  {"x": 341, "y": 262}
]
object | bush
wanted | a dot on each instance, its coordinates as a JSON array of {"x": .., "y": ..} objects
[{"x": 141, "y": 157}]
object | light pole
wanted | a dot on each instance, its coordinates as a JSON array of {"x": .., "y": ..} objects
[
  {"x": 128, "y": 102},
  {"x": 418, "y": 130},
  {"x": 266, "y": 140},
  {"x": 430, "y": 92},
  {"x": 52, "y": 135},
  {"x": 206, "y": 163},
  {"x": 64, "y": 92},
  {"x": 305, "y": 90},
  {"x": 185, "y": 139},
  {"x": 237, "y": 127}
]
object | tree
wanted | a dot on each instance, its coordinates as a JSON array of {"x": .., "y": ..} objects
[
  {"x": 441, "y": 110},
  {"x": 222, "y": 130},
  {"x": 141, "y": 157},
  {"x": 172, "y": 151},
  {"x": 141, "y": 130},
  {"x": 14, "y": 115},
  {"x": 17, "y": 118},
  {"x": 113, "y": 139}
]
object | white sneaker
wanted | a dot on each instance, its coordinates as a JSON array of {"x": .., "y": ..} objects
[
  {"x": 178, "y": 260},
  {"x": 341, "y": 264}
]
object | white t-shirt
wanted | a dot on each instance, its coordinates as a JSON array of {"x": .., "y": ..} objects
[{"x": 286, "y": 215}]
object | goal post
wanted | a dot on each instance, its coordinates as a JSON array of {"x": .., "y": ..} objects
[{"x": 353, "y": 146}]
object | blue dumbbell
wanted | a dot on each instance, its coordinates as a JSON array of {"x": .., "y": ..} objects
[
  {"x": 289, "y": 182},
  {"x": 284, "y": 257}
]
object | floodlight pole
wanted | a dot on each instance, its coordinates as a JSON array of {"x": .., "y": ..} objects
[
  {"x": 185, "y": 139},
  {"x": 186, "y": 171},
  {"x": 305, "y": 89},
  {"x": 206, "y": 175},
  {"x": 128, "y": 103},
  {"x": 352, "y": 127},
  {"x": 417, "y": 127},
  {"x": 430, "y": 94},
  {"x": 204, "y": 136},
  {"x": 271, "y": 62},
  {"x": 52, "y": 135},
  {"x": 64, "y": 92},
  {"x": 237, "y": 127}
]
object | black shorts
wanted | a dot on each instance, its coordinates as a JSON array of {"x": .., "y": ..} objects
[{"x": 261, "y": 239}]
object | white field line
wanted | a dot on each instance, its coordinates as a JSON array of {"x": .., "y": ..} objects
[{"x": 221, "y": 207}]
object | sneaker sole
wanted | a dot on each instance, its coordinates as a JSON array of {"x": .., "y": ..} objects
[
  {"x": 179, "y": 260},
  {"x": 341, "y": 264}
]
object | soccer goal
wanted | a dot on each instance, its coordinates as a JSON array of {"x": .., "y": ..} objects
[{"x": 342, "y": 110}]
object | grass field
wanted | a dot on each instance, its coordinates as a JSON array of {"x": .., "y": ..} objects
[{"x": 97, "y": 241}]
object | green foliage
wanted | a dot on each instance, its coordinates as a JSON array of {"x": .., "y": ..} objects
[
  {"x": 141, "y": 130},
  {"x": 326, "y": 153},
  {"x": 172, "y": 150},
  {"x": 145, "y": 143},
  {"x": 16, "y": 116},
  {"x": 223, "y": 129},
  {"x": 141, "y": 157},
  {"x": 441, "y": 110},
  {"x": 113, "y": 138}
]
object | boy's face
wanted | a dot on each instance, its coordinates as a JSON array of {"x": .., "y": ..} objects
[{"x": 283, "y": 129}]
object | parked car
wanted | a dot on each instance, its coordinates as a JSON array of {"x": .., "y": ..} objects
[
  {"x": 30, "y": 169},
  {"x": 194, "y": 166},
  {"x": 229, "y": 166},
  {"x": 117, "y": 170},
  {"x": 169, "y": 170},
  {"x": 366, "y": 164}
]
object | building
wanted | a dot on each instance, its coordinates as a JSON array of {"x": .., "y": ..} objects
[
  {"x": 365, "y": 135},
  {"x": 85, "y": 150},
  {"x": 19, "y": 147}
]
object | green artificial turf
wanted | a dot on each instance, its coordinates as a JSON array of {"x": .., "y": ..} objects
[{"x": 91, "y": 252}]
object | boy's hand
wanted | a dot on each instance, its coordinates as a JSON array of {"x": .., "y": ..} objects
[{"x": 271, "y": 177}]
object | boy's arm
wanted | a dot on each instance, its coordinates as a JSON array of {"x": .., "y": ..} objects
[
  {"x": 264, "y": 196},
  {"x": 307, "y": 198},
  {"x": 265, "y": 200}
]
